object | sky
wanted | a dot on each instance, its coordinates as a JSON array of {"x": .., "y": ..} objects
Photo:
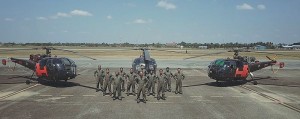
[{"x": 149, "y": 21}]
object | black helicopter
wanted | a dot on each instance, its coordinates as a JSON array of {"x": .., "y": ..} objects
[
  {"x": 144, "y": 62},
  {"x": 47, "y": 67},
  {"x": 238, "y": 68}
]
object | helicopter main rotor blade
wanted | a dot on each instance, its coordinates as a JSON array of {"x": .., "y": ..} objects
[
  {"x": 74, "y": 52},
  {"x": 278, "y": 54},
  {"x": 16, "y": 49},
  {"x": 196, "y": 56}
]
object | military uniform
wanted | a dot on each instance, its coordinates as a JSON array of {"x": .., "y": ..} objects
[
  {"x": 161, "y": 78},
  {"x": 179, "y": 77},
  {"x": 142, "y": 81},
  {"x": 117, "y": 82},
  {"x": 123, "y": 75},
  {"x": 131, "y": 83},
  {"x": 99, "y": 74},
  {"x": 168, "y": 80},
  {"x": 107, "y": 83},
  {"x": 151, "y": 83}
]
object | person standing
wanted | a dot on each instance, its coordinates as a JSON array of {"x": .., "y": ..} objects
[
  {"x": 141, "y": 80},
  {"x": 117, "y": 94},
  {"x": 131, "y": 82},
  {"x": 151, "y": 83},
  {"x": 179, "y": 76},
  {"x": 107, "y": 82},
  {"x": 169, "y": 75},
  {"x": 123, "y": 75},
  {"x": 99, "y": 75},
  {"x": 161, "y": 78}
]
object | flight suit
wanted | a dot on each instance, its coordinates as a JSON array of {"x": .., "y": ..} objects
[
  {"x": 99, "y": 74},
  {"x": 161, "y": 78},
  {"x": 123, "y": 75},
  {"x": 142, "y": 81},
  {"x": 151, "y": 83},
  {"x": 117, "y": 82},
  {"x": 107, "y": 83},
  {"x": 179, "y": 77},
  {"x": 131, "y": 83},
  {"x": 168, "y": 80}
]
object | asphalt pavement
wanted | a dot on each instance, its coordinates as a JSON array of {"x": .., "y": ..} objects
[{"x": 276, "y": 95}]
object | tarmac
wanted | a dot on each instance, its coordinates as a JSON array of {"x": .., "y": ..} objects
[{"x": 276, "y": 96}]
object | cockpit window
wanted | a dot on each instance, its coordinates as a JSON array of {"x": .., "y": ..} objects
[
  {"x": 56, "y": 61},
  {"x": 219, "y": 63},
  {"x": 139, "y": 60},
  {"x": 66, "y": 61},
  {"x": 227, "y": 63}
]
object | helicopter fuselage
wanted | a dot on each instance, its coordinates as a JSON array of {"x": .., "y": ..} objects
[{"x": 228, "y": 69}]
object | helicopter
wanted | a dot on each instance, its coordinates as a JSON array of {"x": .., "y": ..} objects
[
  {"x": 47, "y": 67},
  {"x": 144, "y": 62},
  {"x": 238, "y": 68}
]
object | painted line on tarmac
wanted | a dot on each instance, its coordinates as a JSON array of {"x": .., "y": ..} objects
[
  {"x": 237, "y": 96},
  {"x": 89, "y": 95},
  {"x": 196, "y": 96},
  {"x": 66, "y": 95},
  {"x": 45, "y": 95},
  {"x": 216, "y": 96},
  {"x": 17, "y": 92},
  {"x": 174, "y": 96}
]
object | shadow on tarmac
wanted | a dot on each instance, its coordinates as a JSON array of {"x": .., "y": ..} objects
[
  {"x": 229, "y": 83},
  {"x": 57, "y": 84}
]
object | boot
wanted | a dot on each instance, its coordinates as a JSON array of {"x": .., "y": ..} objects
[{"x": 163, "y": 97}]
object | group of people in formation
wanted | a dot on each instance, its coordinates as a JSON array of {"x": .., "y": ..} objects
[{"x": 145, "y": 82}]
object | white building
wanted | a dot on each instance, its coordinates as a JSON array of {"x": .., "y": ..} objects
[{"x": 202, "y": 47}]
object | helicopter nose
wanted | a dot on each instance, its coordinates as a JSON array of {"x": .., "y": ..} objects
[
  {"x": 151, "y": 67},
  {"x": 142, "y": 66}
]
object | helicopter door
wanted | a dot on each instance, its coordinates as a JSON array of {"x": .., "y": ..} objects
[
  {"x": 50, "y": 65},
  {"x": 66, "y": 63},
  {"x": 242, "y": 70},
  {"x": 231, "y": 65},
  {"x": 73, "y": 67}
]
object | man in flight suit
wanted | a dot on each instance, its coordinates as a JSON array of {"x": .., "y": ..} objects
[
  {"x": 169, "y": 75},
  {"x": 123, "y": 75},
  {"x": 131, "y": 82},
  {"x": 179, "y": 76},
  {"x": 99, "y": 75},
  {"x": 161, "y": 78},
  {"x": 151, "y": 83},
  {"x": 141, "y": 80},
  {"x": 117, "y": 86},
  {"x": 107, "y": 82}
]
